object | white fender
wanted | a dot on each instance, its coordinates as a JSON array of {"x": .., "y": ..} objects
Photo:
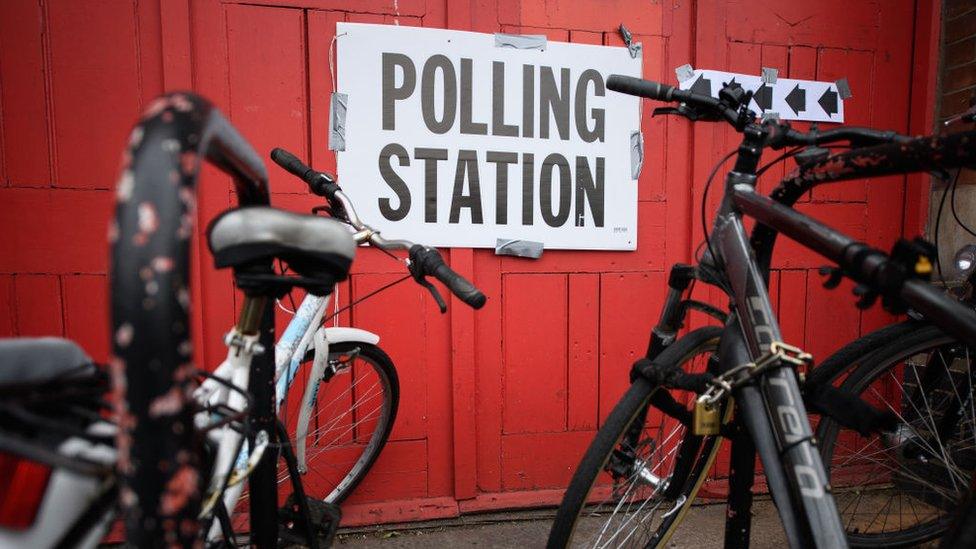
[{"x": 342, "y": 334}]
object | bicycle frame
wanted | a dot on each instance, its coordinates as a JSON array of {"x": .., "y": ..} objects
[
  {"x": 773, "y": 410},
  {"x": 754, "y": 365},
  {"x": 304, "y": 332}
]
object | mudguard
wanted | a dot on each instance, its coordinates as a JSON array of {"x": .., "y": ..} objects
[{"x": 341, "y": 334}]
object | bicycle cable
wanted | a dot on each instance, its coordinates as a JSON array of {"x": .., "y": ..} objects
[
  {"x": 711, "y": 176},
  {"x": 365, "y": 297},
  {"x": 704, "y": 203},
  {"x": 938, "y": 223},
  {"x": 952, "y": 204}
]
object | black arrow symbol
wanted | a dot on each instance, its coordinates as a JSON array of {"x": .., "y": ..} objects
[
  {"x": 733, "y": 85},
  {"x": 828, "y": 102},
  {"x": 702, "y": 86},
  {"x": 764, "y": 97},
  {"x": 797, "y": 99}
]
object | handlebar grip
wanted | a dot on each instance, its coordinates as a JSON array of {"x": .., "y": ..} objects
[
  {"x": 459, "y": 286},
  {"x": 639, "y": 87},
  {"x": 293, "y": 165},
  {"x": 428, "y": 261},
  {"x": 319, "y": 183}
]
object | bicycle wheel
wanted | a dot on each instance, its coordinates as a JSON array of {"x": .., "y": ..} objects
[
  {"x": 643, "y": 469},
  {"x": 899, "y": 489},
  {"x": 355, "y": 409},
  {"x": 354, "y": 413}
]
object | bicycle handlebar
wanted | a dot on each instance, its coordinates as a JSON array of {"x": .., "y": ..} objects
[
  {"x": 424, "y": 261},
  {"x": 662, "y": 92},
  {"x": 428, "y": 261},
  {"x": 779, "y": 134},
  {"x": 294, "y": 166}
]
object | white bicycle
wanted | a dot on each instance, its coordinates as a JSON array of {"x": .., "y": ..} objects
[{"x": 340, "y": 421}]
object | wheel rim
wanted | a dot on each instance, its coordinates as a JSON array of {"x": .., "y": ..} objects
[
  {"x": 900, "y": 488},
  {"x": 347, "y": 426}
]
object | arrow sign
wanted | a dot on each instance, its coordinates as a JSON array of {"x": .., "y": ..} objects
[
  {"x": 797, "y": 99},
  {"x": 702, "y": 86},
  {"x": 734, "y": 85},
  {"x": 788, "y": 97},
  {"x": 764, "y": 97},
  {"x": 828, "y": 102}
]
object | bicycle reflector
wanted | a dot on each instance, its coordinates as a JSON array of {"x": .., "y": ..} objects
[{"x": 22, "y": 487}]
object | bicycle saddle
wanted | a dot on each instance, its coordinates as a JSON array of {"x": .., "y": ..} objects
[
  {"x": 28, "y": 361},
  {"x": 320, "y": 250}
]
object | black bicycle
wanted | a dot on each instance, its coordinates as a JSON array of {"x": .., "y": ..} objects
[{"x": 652, "y": 455}]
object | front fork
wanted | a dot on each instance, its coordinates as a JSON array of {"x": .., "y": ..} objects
[
  {"x": 673, "y": 314},
  {"x": 664, "y": 333},
  {"x": 319, "y": 365}
]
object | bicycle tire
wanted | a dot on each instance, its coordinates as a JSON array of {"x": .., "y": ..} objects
[
  {"x": 876, "y": 359},
  {"x": 628, "y": 409}
]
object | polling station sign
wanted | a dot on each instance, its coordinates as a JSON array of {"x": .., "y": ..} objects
[{"x": 458, "y": 138}]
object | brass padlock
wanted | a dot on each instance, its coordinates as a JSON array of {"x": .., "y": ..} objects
[{"x": 705, "y": 419}]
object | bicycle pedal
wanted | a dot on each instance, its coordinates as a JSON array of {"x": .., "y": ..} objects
[
  {"x": 325, "y": 518},
  {"x": 705, "y": 419}
]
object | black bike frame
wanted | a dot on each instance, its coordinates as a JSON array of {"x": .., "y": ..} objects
[
  {"x": 775, "y": 405},
  {"x": 773, "y": 411},
  {"x": 771, "y": 408}
]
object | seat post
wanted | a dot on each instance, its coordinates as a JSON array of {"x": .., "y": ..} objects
[{"x": 252, "y": 311}]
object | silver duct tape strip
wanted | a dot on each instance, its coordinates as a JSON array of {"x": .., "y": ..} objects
[
  {"x": 518, "y": 248},
  {"x": 636, "y": 153},
  {"x": 337, "y": 121},
  {"x": 774, "y": 116},
  {"x": 843, "y": 88},
  {"x": 684, "y": 72},
  {"x": 635, "y": 49},
  {"x": 769, "y": 75},
  {"x": 521, "y": 41}
]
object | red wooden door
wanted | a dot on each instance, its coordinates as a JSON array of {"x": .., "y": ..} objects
[{"x": 496, "y": 406}]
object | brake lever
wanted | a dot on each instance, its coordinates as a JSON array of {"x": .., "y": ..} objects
[
  {"x": 685, "y": 111},
  {"x": 434, "y": 292}
]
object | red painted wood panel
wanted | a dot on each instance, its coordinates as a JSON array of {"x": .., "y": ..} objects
[
  {"x": 54, "y": 231},
  {"x": 94, "y": 75},
  {"x": 629, "y": 307},
  {"x": 535, "y": 353},
  {"x": 268, "y": 102},
  {"x": 22, "y": 74},
  {"x": 8, "y": 326},
  {"x": 483, "y": 394},
  {"x": 86, "y": 317},
  {"x": 583, "y": 372},
  {"x": 38, "y": 301},
  {"x": 542, "y": 460}
]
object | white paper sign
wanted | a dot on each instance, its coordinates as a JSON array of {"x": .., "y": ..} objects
[
  {"x": 789, "y": 98},
  {"x": 452, "y": 141}
]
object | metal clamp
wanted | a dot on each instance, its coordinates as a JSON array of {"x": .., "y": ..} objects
[
  {"x": 779, "y": 354},
  {"x": 236, "y": 340}
]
